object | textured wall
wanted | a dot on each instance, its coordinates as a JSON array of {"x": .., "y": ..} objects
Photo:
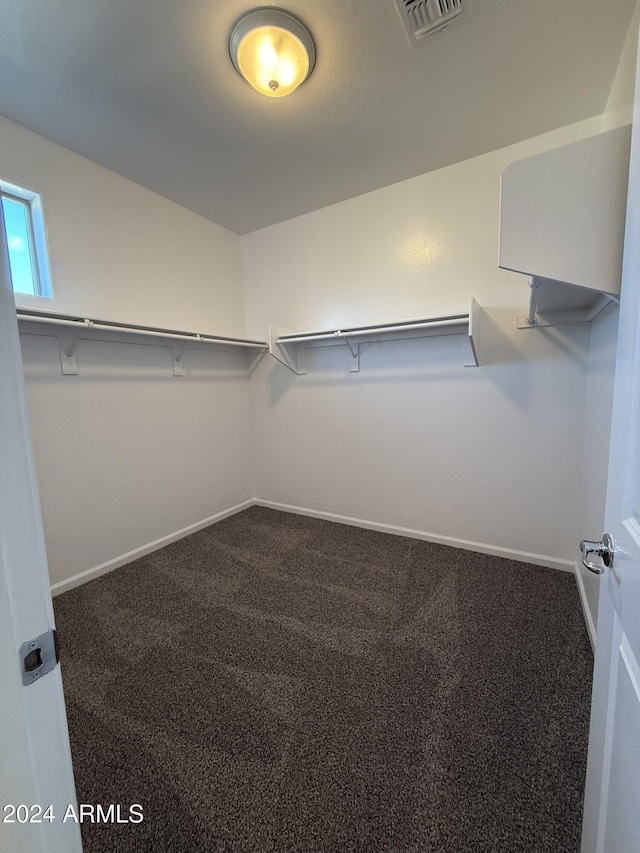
[
  {"x": 490, "y": 455},
  {"x": 417, "y": 248},
  {"x": 120, "y": 252},
  {"x": 126, "y": 453}
]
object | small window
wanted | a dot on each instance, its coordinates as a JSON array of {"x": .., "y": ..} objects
[{"x": 26, "y": 240}]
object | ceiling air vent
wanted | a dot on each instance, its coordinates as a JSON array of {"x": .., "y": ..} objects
[{"x": 422, "y": 18}]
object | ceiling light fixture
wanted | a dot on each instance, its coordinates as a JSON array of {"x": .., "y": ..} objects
[{"x": 273, "y": 50}]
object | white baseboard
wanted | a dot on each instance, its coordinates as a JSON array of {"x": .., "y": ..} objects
[
  {"x": 110, "y": 565},
  {"x": 588, "y": 618},
  {"x": 480, "y": 547}
]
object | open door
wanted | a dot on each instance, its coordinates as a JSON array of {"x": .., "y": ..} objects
[
  {"x": 612, "y": 799},
  {"x": 35, "y": 761}
]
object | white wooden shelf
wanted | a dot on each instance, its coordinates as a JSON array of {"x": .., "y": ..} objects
[
  {"x": 69, "y": 329},
  {"x": 289, "y": 346},
  {"x": 562, "y": 220}
]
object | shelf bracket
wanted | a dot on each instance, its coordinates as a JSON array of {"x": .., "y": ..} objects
[
  {"x": 177, "y": 353},
  {"x": 473, "y": 338},
  {"x": 354, "y": 350},
  {"x": 534, "y": 284},
  {"x": 469, "y": 358},
  {"x": 67, "y": 344},
  {"x": 580, "y": 313},
  {"x": 602, "y": 302},
  {"x": 293, "y": 357}
]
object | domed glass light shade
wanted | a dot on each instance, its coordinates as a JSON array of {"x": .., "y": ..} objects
[{"x": 273, "y": 50}]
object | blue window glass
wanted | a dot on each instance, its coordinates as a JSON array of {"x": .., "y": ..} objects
[{"x": 22, "y": 261}]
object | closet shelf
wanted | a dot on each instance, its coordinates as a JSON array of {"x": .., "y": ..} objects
[
  {"x": 289, "y": 346},
  {"x": 69, "y": 328},
  {"x": 106, "y": 325},
  {"x": 562, "y": 222}
]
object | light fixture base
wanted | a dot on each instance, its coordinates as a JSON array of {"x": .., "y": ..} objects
[{"x": 270, "y": 18}]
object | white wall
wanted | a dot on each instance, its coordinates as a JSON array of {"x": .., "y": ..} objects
[
  {"x": 418, "y": 248},
  {"x": 126, "y": 453},
  {"x": 487, "y": 457},
  {"x": 121, "y": 252},
  {"x": 619, "y": 108},
  {"x": 490, "y": 455}
]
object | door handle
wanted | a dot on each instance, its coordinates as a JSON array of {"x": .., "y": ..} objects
[{"x": 605, "y": 550}]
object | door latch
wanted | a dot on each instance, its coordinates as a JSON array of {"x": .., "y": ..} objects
[{"x": 39, "y": 656}]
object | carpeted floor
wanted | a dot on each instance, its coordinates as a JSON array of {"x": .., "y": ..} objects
[{"x": 278, "y": 683}]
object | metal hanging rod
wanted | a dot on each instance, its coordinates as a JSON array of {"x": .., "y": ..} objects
[
  {"x": 104, "y": 325},
  {"x": 359, "y": 331}
]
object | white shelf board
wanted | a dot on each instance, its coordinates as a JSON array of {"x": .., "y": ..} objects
[
  {"x": 562, "y": 213},
  {"x": 76, "y": 322},
  {"x": 288, "y": 345},
  {"x": 69, "y": 329}
]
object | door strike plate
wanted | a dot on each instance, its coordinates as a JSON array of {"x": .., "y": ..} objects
[{"x": 39, "y": 656}]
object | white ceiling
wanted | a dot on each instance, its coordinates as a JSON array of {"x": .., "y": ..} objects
[{"x": 146, "y": 88}]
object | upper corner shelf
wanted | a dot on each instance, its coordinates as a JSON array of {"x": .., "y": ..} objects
[
  {"x": 283, "y": 343},
  {"x": 562, "y": 219}
]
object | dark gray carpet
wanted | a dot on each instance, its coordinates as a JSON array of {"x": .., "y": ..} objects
[{"x": 277, "y": 683}]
